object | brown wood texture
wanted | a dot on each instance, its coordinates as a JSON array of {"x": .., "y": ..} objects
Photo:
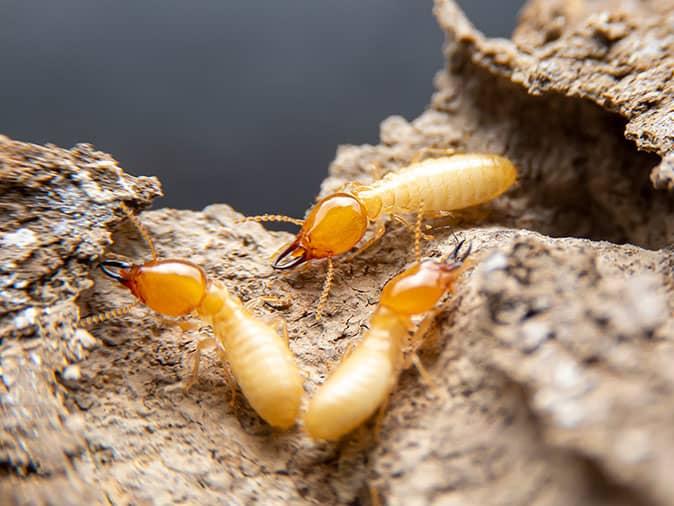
[{"x": 551, "y": 361}]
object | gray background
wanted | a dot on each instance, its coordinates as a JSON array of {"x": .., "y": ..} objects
[{"x": 234, "y": 101}]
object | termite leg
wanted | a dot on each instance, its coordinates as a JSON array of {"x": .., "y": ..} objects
[
  {"x": 141, "y": 228},
  {"x": 326, "y": 289},
  {"x": 229, "y": 375},
  {"x": 474, "y": 214},
  {"x": 379, "y": 420},
  {"x": 282, "y": 326},
  {"x": 376, "y": 235},
  {"x": 416, "y": 230},
  {"x": 184, "y": 325},
  {"x": 272, "y": 299},
  {"x": 196, "y": 360},
  {"x": 424, "y": 153},
  {"x": 188, "y": 325},
  {"x": 423, "y": 372},
  {"x": 422, "y": 330},
  {"x": 434, "y": 215},
  {"x": 415, "y": 341},
  {"x": 412, "y": 228}
]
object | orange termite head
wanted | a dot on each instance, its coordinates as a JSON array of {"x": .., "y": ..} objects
[
  {"x": 334, "y": 226},
  {"x": 170, "y": 287},
  {"x": 419, "y": 288}
]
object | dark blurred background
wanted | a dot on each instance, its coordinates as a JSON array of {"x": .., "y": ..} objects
[{"x": 230, "y": 101}]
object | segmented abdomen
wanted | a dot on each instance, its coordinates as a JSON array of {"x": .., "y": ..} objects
[
  {"x": 263, "y": 366},
  {"x": 357, "y": 387},
  {"x": 443, "y": 184}
]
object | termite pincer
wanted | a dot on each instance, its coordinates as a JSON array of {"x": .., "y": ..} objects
[
  {"x": 362, "y": 382},
  {"x": 258, "y": 356},
  {"x": 431, "y": 187}
]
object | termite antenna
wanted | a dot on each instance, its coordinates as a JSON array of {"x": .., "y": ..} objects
[
  {"x": 326, "y": 289},
  {"x": 417, "y": 233},
  {"x": 271, "y": 217},
  {"x": 95, "y": 319},
  {"x": 141, "y": 228}
]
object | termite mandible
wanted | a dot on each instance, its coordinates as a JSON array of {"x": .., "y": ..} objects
[
  {"x": 431, "y": 187},
  {"x": 363, "y": 381},
  {"x": 258, "y": 356}
]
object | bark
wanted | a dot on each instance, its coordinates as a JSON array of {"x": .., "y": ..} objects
[{"x": 551, "y": 360}]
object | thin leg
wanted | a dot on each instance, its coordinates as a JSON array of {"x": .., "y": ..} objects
[
  {"x": 184, "y": 325},
  {"x": 326, "y": 289},
  {"x": 379, "y": 420},
  {"x": 422, "y": 330},
  {"x": 415, "y": 342},
  {"x": 416, "y": 231},
  {"x": 412, "y": 228},
  {"x": 457, "y": 217},
  {"x": 423, "y": 372},
  {"x": 229, "y": 375},
  {"x": 434, "y": 215},
  {"x": 424, "y": 153},
  {"x": 188, "y": 325},
  {"x": 474, "y": 214},
  {"x": 272, "y": 299},
  {"x": 377, "y": 234},
  {"x": 281, "y": 326},
  {"x": 201, "y": 345}
]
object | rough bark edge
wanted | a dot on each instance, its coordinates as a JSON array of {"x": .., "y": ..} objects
[{"x": 600, "y": 51}]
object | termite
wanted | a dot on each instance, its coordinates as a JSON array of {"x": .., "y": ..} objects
[
  {"x": 363, "y": 381},
  {"x": 430, "y": 188},
  {"x": 258, "y": 356}
]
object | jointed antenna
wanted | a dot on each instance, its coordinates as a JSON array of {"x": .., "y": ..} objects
[
  {"x": 141, "y": 228},
  {"x": 95, "y": 319},
  {"x": 326, "y": 289},
  {"x": 272, "y": 217}
]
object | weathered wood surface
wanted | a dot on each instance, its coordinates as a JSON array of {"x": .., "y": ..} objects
[{"x": 552, "y": 360}]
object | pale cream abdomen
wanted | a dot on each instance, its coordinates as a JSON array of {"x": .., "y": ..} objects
[
  {"x": 356, "y": 388},
  {"x": 263, "y": 366},
  {"x": 443, "y": 184}
]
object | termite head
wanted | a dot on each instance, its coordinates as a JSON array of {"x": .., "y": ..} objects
[
  {"x": 170, "y": 287},
  {"x": 334, "y": 226},
  {"x": 419, "y": 288}
]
